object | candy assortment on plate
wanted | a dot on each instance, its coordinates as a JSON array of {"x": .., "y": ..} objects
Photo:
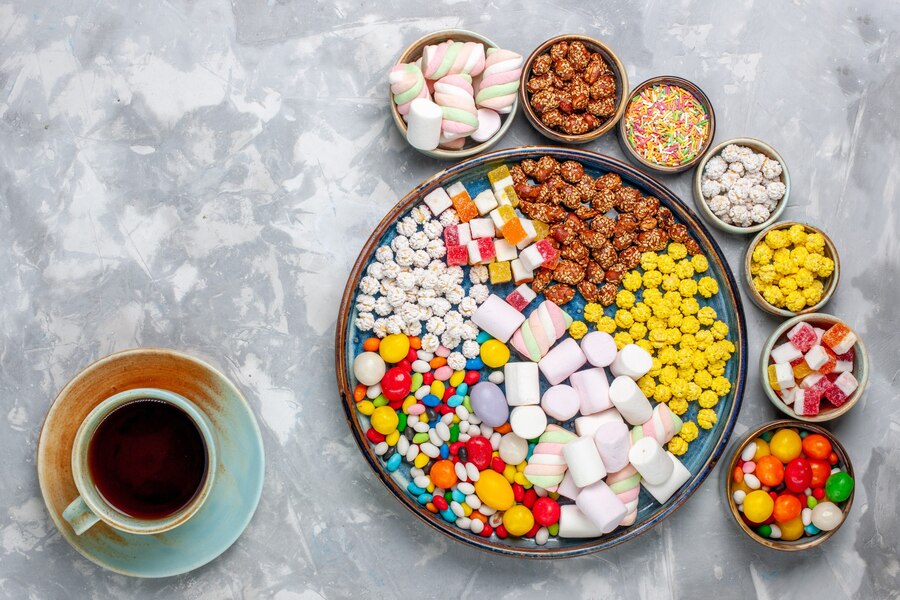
[
  {"x": 455, "y": 91},
  {"x": 814, "y": 365},
  {"x": 517, "y": 420},
  {"x": 788, "y": 484},
  {"x": 742, "y": 186},
  {"x": 790, "y": 266}
]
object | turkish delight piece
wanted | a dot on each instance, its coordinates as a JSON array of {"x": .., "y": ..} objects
[
  {"x": 839, "y": 338},
  {"x": 521, "y": 274},
  {"x": 485, "y": 202},
  {"x": 437, "y": 201},
  {"x": 786, "y": 352},
  {"x": 457, "y": 256},
  {"x": 500, "y": 272},
  {"x": 841, "y": 388},
  {"x": 521, "y": 297},
  {"x": 505, "y": 250},
  {"x": 481, "y": 228},
  {"x": 802, "y": 336},
  {"x": 462, "y": 202}
]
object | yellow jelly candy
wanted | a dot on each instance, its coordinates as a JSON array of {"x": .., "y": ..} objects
[
  {"x": 518, "y": 520},
  {"x": 394, "y": 348},
  {"x": 493, "y": 489},
  {"x": 758, "y": 506},
  {"x": 762, "y": 449},
  {"x": 791, "y": 530},
  {"x": 500, "y": 272},
  {"x": 494, "y": 353},
  {"x": 785, "y": 445},
  {"x": 384, "y": 420}
]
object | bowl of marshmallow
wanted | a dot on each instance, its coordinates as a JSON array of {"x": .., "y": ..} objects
[{"x": 454, "y": 93}]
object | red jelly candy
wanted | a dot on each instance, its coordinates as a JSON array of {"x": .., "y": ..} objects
[
  {"x": 530, "y": 497},
  {"x": 501, "y": 532},
  {"x": 545, "y": 511},
  {"x": 486, "y": 531},
  {"x": 798, "y": 475},
  {"x": 411, "y": 356},
  {"x": 440, "y": 502},
  {"x": 518, "y": 492},
  {"x": 835, "y": 395},
  {"x": 427, "y": 378},
  {"x": 802, "y": 337},
  {"x": 448, "y": 393},
  {"x": 457, "y": 256},
  {"x": 396, "y": 383},
  {"x": 472, "y": 377},
  {"x": 374, "y": 436},
  {"x": 486, "y": 249},
  {"x": 480, "y": 452},
  {"x": 497, "y": 464}
]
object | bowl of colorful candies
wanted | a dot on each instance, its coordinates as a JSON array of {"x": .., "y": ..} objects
[
  {"x": 454, "y": 93},
  {"x": 789, "y": 485},
  {"x": 791, "y": 268},
  {"x": 814, "y": 367},
  {"x": 668, "y": 125}
]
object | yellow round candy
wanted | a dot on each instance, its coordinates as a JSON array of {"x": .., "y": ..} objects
[
  {"x": 493, "y": 489},
  {"x": 518, "y": 520},
  {"x": 762, "y": 449},
  {"x": 384, "y": 420},
  {"x": 792, "y": 530},
  {"x": 494, "y": 353},
  {"x": 758, "y": 506},
  {"x": 394, "y": 348},
  {"x": 785, "y": 445}
]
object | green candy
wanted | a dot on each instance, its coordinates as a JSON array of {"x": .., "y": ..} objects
[
  {"x": 553, "y": 529},
  {"x": 468, "y": 404},
  {"x": 420, "y": 438},
  {"x": 764, "y": 530},
  {"x": 401, "y": 423},
  {"x": 380, "y": 401},
  {"x": 811, "y": 501},
  {"x": 768, "y": 436},
  {"x": 416, "y": 382},
  {"x": 454, "y": 432},
  {"x": 838, "y": 487}
]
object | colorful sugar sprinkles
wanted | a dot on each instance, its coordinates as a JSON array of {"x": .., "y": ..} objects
[
  {"x": 666, "y": 124},
  {"x": 516, "y": 419}
]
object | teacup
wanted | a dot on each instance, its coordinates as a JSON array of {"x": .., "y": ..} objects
[{"x": 144, "y": 461}]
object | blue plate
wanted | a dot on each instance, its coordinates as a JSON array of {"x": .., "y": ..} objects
[
  {"x": 703, "y": 452},
  {"x": 238, "y": 483}
]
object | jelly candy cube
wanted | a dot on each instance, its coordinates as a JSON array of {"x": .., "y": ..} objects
[
  {"x": 810, "y": 380},
  {"x": 499, "y": 174},
  {"x": 510, "y": 193},
  {"x": 830, "y": 364},
  {"x": 530, "y": 233},
  {"x": 486, "y": 249},
  {"x": 521, "y": 274},
  {"x": 839, "y": 338},
  {"x": 505, "y": 250},
  {"x": 786, "y": 352},
  {"x": 513, "y": 232},
  {"x": 781, "y": 376},
  {"x": 541, "y": 230},
  {"x": 801, "y": 369},
  {"x": 816, "y": 357},
  {"x": 462, "y": 202},
  {"x": 521, "y": 297},
  {"x": 457, "y": 256},
  {"x": 437, "y": 201},
  {"x": 500, "y": 272},
  {"x": 457, "y": 235},
  {"x": 802, "y": 336},
  {"x": 841, "y": 388},
  {"x": 773, "y": 378},
  {"x": 485, "y": 201},
  {"x": 807, "y": 403},
  {"x": 481, "y": 228},
  {"x": 848, "y": 355}
]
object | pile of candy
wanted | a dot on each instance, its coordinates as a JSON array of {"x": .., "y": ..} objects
[
  {"x": 666, "y": 124},
  {"x": 490, "y": 441},
  {"x": 572, "y": 89},
  {"x": 455, "y": 91},
  {"x": 742, "y": 186},
  {"x": 789, "y": 267},
  {"x": 814, "y": 364},
  {"x": 788, "y": 484},
  {"x": 658, "y": 309}
]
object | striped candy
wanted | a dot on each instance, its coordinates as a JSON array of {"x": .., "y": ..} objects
[{"x": 547, "y": 466}]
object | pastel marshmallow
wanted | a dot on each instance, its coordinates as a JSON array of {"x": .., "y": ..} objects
[
  {"x": 574, "y": 524},
  {"x": 423, "y": 130},
  {"x": 593, "y": 390},
  {"x": 546, "y": 467},
  {"x": 498, "y": 318},
  {"x": 523, "y": 386},
  {"x": 546, "y": 324},
  {"x": 583, "y": 461},
  {"x": 627, "y": 486},
  {"x": 560, "y": 402},
  {"x": 631, "y": 361},
  {"x": 662, "y": 426},
  {"x": 629, "y": 400},
  {"x": 599, "y": 348},
  {"x": 601, "y": 506},
  {"x": 665, "y": 490},
  {"x": 613, "y": 442},
  {"x": 488, "y": 125},
  {"x": 651, "y": 461},
  {"x": 561, "y": 361},
  {"x": 567, "y": 487},
  {"x": 587, "y": 426},
  {"x": 528, "y": 422}
]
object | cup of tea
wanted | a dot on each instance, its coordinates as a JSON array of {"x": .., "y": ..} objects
[{"x": 143, "y": 461}]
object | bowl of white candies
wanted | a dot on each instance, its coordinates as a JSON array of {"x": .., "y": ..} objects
[{"x": 742, "y": 185}]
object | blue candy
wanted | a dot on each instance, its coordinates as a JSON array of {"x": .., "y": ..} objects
[
  {"x": 424, "y": 499},
  {"x": 454, "y": 400},
  {"x": 483, "y": 337},
  {"x": 448, "y": 515},
  {"x": 431, "y": 400},
  {"x": 811, "y": 529},
  {"x": 474, "y": 364},
  {"x": 445, "y": 451},
  {"x": 393, "y": 462},
  {"x": 458, "y": 496},
  {"x": 530, "y": 450},
  {"x": 462, "y": 389},
  {"x": 415, "y": 490}
]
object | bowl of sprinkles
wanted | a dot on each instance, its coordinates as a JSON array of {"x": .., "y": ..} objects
[{"x": 668, "y": 124}]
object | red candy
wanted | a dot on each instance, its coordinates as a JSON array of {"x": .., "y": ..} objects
[
  {"x": 411, "y": 356},
  {"x": 427, "y": 378},
  {"x": 486, "y": 249},
  {"x": 480, "y": 452},
  {"x": 487, "y": 531},
  {"x": 501, "y": 532},
  {"x": 454, "y": 448},
  {"x": 457, "y": 256},
  {"x": 529, "y": 498},
  {"x": 803, "y": 337},
  {"x": 448, "y": 393},
  {"x": 440, "y": 502},
  {"x": 820, "y": 472},
  {"x": 472, "y": 377},
  {"x": 497, "y": 464},
  {"x": 518, "y": 492},
  {"x": 798, "y": 475},
  {"x": 835, "y": 395},
  {"x": 545, "y": 511},
  {"x": 374, "y": 436},
  {"x": 819, "y": 493},
  {"x": 396, "y": 383},
  {"x": 533, "y": 531}
]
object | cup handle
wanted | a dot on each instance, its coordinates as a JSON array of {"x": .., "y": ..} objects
[{"x": 80, "y": 516}]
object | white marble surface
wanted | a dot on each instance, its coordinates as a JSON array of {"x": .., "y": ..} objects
[{"x": 201, "y": 174}]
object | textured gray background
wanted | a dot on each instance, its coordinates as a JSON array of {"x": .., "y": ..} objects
[{"x": 201, "y": 174}]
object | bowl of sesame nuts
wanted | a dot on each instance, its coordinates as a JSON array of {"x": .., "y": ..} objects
[
  {"x": 573, "y": 89},
  {"x": 742, "y": 186}
]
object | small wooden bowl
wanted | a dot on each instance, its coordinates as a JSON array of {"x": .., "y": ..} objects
[
  {"x": 860, "y": 369},
  {"x": 618, "y": 70},
  {"x": 805, "y": 542},
  {"x": 693, "y": 89},
  {"x": 830, "y": 283},
  {"x": 703, "y": 207},
  {"x": 412, "y": 53}
]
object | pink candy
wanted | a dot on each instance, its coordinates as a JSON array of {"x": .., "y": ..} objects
[{"x": 802, "y": 336}]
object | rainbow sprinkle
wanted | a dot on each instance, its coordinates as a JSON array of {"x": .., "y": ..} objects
[{"x": 666, "y": 125}]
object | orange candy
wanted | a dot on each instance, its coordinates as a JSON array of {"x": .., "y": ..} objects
[
  {"x": 371, "y": 344},
  {"x": 503, "y": 429},
  {"x": 816, "y": 446},
  {"x": 801, "y": 369},
  {"x": 769, "y": 471},
  {"x": 443, "y": 475},
  {"x": 414, "y": 342},
  {"x": 738, "y": 474},
  {"x": 437, "y": 362},
  {"x": 431, "y": 507},
  {"x": 359, "y": 393},
  {"x": 513, "y": 232},
  {"x": 787, "y": 507},
  {"x": 821, "y": 470}
]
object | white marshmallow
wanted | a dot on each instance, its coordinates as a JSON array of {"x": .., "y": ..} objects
[
  {"x": 630, "y": 401},
  {"x": 593, "y": 390},
  {"x": 567, "y": 487},
  {"x": 528, "y": 422},
  {"x": 613, "y": 443},
  {"x": 574, "y": 524},
  {"x": 601, "y": 506},
  {"x": 584, "y": 461},
  {"x": 423, "y": 129},
  {"x": 599, "y": 348},
  {"x": 560, "y": 402},
  {"x": 650, "y": 460},
  {"x": 523, "y": 386},
  {"x": 587, "y": 426},
  {"x": 663, "y": 491},
  {"x": 498, "y": 318},
  {"x": 631, "y": 361}
]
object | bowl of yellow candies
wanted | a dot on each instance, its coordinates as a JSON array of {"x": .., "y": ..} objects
[{"x": 791, "y": 269}]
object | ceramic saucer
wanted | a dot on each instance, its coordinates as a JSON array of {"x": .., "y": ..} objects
[{"x": 238, "y": 482}]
